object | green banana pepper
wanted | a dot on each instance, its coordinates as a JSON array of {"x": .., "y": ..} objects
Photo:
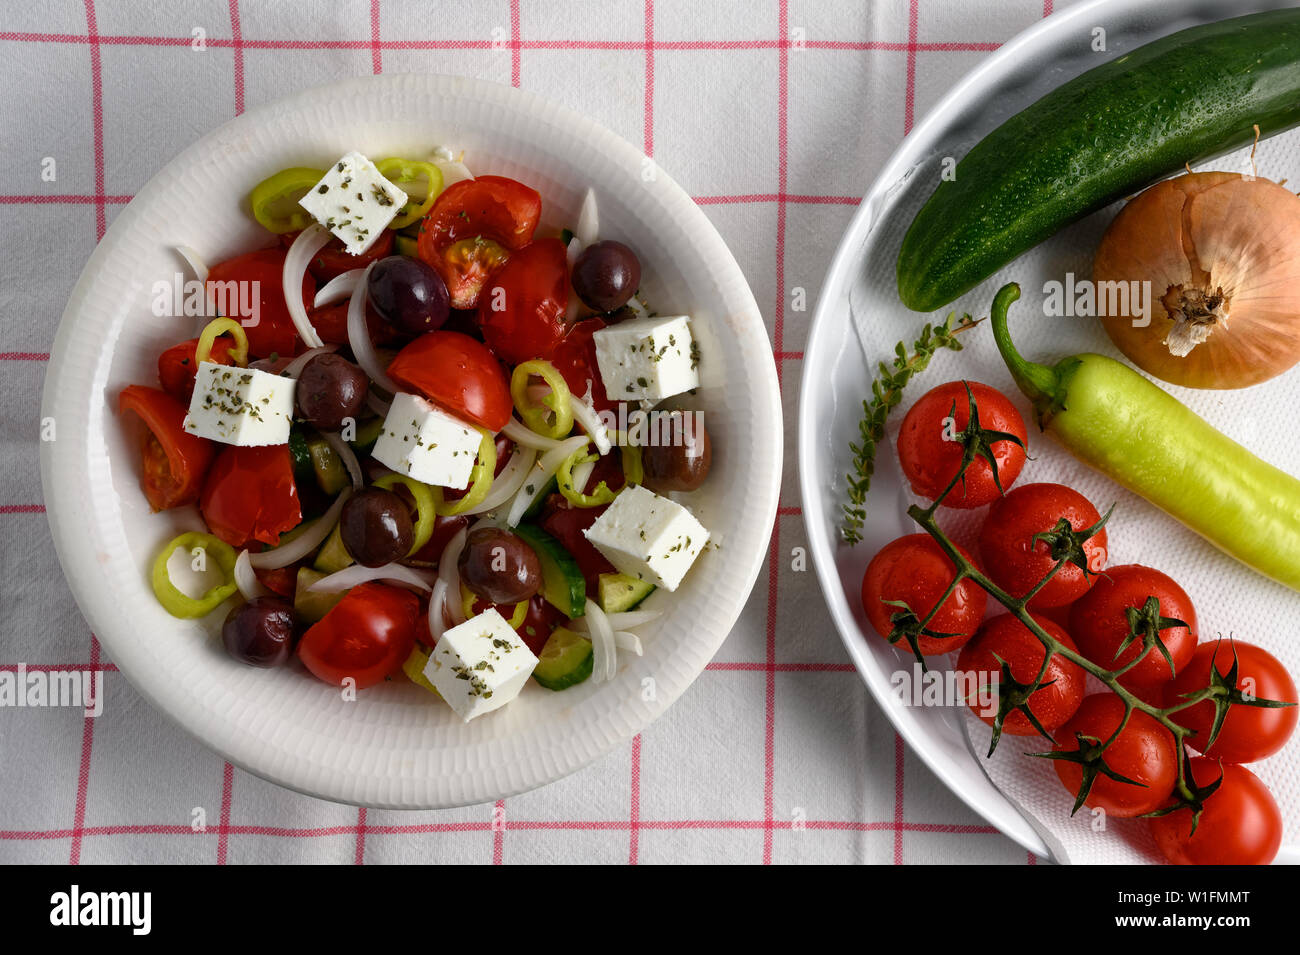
[
  {"x": 180, "y": 604},
  {"x": 1115, "y": 420},
  {"x": 274, "y": 200},
  {"x": 403, "y": 172}
]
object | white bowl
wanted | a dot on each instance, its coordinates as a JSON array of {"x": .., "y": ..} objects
[
  {"x": 395, "y": 746},
  {"x": 839, "y": 363}
]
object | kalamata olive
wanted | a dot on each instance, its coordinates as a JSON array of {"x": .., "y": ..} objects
[
  {"x": 330, "y": 389},
  {"x": 683, "y": 462},
  {"x": 261, "y": 632},
  {"x": 376, "y": 527},
  {"x": 606, "y": 275},
  {"x": 408, "y": 294},
  {"x": 499, "y": 567}
]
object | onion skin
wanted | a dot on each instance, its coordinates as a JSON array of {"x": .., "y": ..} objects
[{"x": 1205, "y": 232}]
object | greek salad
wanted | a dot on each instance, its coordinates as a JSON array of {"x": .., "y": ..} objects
[{"x": 430, "y": 437}]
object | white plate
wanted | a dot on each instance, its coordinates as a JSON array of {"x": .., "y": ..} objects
[
  {"x": 839, "y": 360},
  {"x": 395, "y": 747}
]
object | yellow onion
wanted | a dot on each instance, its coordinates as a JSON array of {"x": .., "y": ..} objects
[{"x": 1221, "y": 252}]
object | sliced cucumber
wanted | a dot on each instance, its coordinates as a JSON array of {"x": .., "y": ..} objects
[
  {"x": 331, "y": 475},
  {"x": 563, "y": 586},
  {"x": 405, "y": 245},
  {"x": 309, "y": 605},
  {"x": 618, "y": 593},
  {"x": 300, "y": 455},
  {"x": 565, "y": 661},
  {"x": 367, "y": 434},
  {"x": 333, "y": 556}
]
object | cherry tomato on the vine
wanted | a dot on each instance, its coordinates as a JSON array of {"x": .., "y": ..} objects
[
  {"x": 1240, "y": 824},
  {"x": 930, "y": 450},
  {"x": 915, "y": 571}
]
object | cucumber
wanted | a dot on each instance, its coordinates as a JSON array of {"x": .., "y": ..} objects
[
  {"x": 300, "y": 455},
  {"x": 1100, "y": 137},
  {"x": 618, "y": 593},
  {"x": 563, "y": 585},
  {"x": 331, "y": 475},
  {"x": 405, "y": 245},
  {"x": 333, "y": 556},
  {"x": 565, "y": 660},
  {"x": 312, "y": 606},
  {"x": 367, "y": 434},
  {"x": 539, "y": 501}
]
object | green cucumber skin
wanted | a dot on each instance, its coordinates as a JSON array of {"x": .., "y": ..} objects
[{"x": 1100, "y": 137}]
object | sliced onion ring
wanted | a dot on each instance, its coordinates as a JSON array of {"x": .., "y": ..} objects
[
  {"x": 304, "y": 543},
  {"x": 194, "y": 261},
  {"x": 618, "y": 621},
  {"x": 603, "y": 647},
  {"x": 541, "y": 472},
  {"x": 628, "y": 641},
  {"x": 508, "y": 482},
  {"x": 348, "y": 457},
  {"x": 350, "y": 577},
  {"x": 584, "y": 412},
  {"x": 520, "y": 433},
  {"x": 338, "y": 288},
  {"x": 359, "y": 337},
  {"x": 246, "y": 580},
  {"x": 449, "y": 577},
  {"x": 310, "y": 241}
]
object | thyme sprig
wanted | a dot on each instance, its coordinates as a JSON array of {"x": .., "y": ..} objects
[{"x": 886, "y": 392}]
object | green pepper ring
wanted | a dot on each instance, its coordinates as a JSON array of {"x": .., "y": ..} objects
[
  {"x": 560, "y": 400},
  {"x": 481, "y": 477},
  {"x": 575, "y": 496},
  {"x": 398, "y": 171},
  {"x": 180, "y": 604},
  {"x": 282, "y": 187}
]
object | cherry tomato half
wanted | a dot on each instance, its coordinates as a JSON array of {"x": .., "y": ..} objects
[
  {"x": 175, "y": 461},
  {"x": 1240, "y": 825},
  {"x": 1007, "y": 639},
  {"x": 177, "y": 366},
  {"x": 1144, "y": 752},
  {"x": 521, "y": 310},
  {"x": 914, "y": 570},
  {"x": 459, "y": 374},
  {"x": 1248, "y": 732},
  {"x": 366, "y": 636},
  {"x": 1099, "y": 623},
  {"x": 232, "y": 280},
  {"x": 931, "y": 458},
  {"x": 473, "y": 228},
  {"x": 250, "y": 495},
  {"x": 1016, "y": 563}
]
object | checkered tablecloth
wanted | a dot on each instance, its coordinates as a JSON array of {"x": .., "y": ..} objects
[{"x": 775, "y": 116}]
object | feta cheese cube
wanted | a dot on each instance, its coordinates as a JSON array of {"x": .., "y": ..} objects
[
  {"x": 480, "y": 666},
  {"x": 240, "y": 406},
  {"x": 354, "y": 201},
  {"x": 648, "y": 537},
  {"x": 647, "y": 359},
  {"x": 426, "y": 443}
]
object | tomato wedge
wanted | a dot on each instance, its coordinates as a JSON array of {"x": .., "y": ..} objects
[
  {"x": 177, "y": 367},
  {"x": 459, "y": 374},
  {"x": 575, "y": 359},
  {"x": 231, "y": 281},
  {"x": 250, "y": 495},
  {"x": 365, "y": 637},
  {"x": 521, "y": 313},
  {"x": 175, "y": 461},
  {"x": 473, "y": 228}
]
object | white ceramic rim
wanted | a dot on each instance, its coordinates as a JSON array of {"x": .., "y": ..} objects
[{"x": 76, "y": 374}]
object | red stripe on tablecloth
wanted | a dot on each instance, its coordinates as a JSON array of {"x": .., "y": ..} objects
[
  {"x": 634, "y": 817},
  {"x": 909, "y": 100},
  {"x": 97, "y": 109},
  {"x": 53, "y": 200},
  {"x": 22, "y": 508},
  {"x": 498, "y": 831},
  {"x": 360, "y": 856},
  {"x": 1047, "y": 12},
  {"x": 613, "y": 825},
  {"x": 223, "y": 822},
  {"x": 649, "y": 135},
  {"x": 83, "y": 773},
  {"x": 776, "y": 197},
  {"x": 237, "y": 44},
  {"x": 593, "y": 45},
  {"x": 898, "y": 799},
  {"x": 514, "y": 43},
  {"x": 376, "y": 51},
  {"x": 783, "y": 667},
  {"x": 59, "y": 667}
]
